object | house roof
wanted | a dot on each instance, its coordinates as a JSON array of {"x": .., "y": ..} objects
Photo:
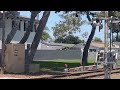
[
  {"x": 94, "y": 44},
  {"x": 50, "y": 44},
  {"x": 101, "y": 45},
  {"x": 97, "y": 44},
  {"x": 64, "y": 45}
]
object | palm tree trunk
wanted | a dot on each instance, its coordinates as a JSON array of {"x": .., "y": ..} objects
[
  {"x": 87, "y": 45},
  {"x": 27, "y": 33},
  {"x": 38, "y": 36}
]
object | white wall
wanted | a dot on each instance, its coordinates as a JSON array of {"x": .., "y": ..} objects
[{"x": 19, "y": 34}]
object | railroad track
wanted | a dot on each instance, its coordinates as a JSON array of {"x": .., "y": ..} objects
[
  {"x": 96, "y": 74},
  {"x": 83, "y": 75}
]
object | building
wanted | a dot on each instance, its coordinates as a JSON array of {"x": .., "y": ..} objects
[
  {"x": 96, "y": 46},
  {"x": 23, "y": 24},
  {"x": 53, "y": 46},
  {"x": 49, "y": 46}
]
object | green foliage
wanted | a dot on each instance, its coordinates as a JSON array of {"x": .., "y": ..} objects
[
  {"x": 58, "y": 65},
  {"x": 72, "y": 39},
  {"x": 69, "y": 40},
  {"x": 110, "y": 13},
  {"x": 96, "y": 39},
  {"x": 69, "y": 25},
  {"x": 45, "y": 35},
  {"x": 117, "y": 14},
  {"x": 59, "y": 40},
  {"x": 101, "y": 14}
]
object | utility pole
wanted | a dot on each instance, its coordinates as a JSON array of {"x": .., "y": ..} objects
[
  {"x": 106, "y": 33},
  {"x": 111, "y": 35},
  {"x": 3, "y": 44},
  {"x": 107, "y": 63},
  {"x": 106, "y": 74}
]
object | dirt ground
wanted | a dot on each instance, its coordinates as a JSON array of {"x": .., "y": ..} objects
[
  {"x": 43, "y": 74},
  {"x": 16, "y": 76},
  {"x": 49, "y": 75},
  {"x": 13, "y": 76}
]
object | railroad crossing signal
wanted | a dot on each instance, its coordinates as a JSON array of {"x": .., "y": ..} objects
[{"x": 107, "y": 61}]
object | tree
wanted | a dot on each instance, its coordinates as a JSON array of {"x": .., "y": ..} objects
[
  {"x": 59, "y": 40},
  {"x": 38, "y": 36},
  {"x": 30, "y": 27},
  {"x": 85, "y": 52},
  {"x": 45, "y": 36},
  {"x": 96, "y": 39},
  {"x": 87, "y": 45},
  {"x": 69, "y": 40},
  {"x": 69, "y": 25},
  {"x": 101, "y": 14},
  {"x": 64, "y": 27},
  {"x": 72, "y": 39}
]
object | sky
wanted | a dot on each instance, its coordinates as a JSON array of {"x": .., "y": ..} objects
[{"x": 54, "y": 18}]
